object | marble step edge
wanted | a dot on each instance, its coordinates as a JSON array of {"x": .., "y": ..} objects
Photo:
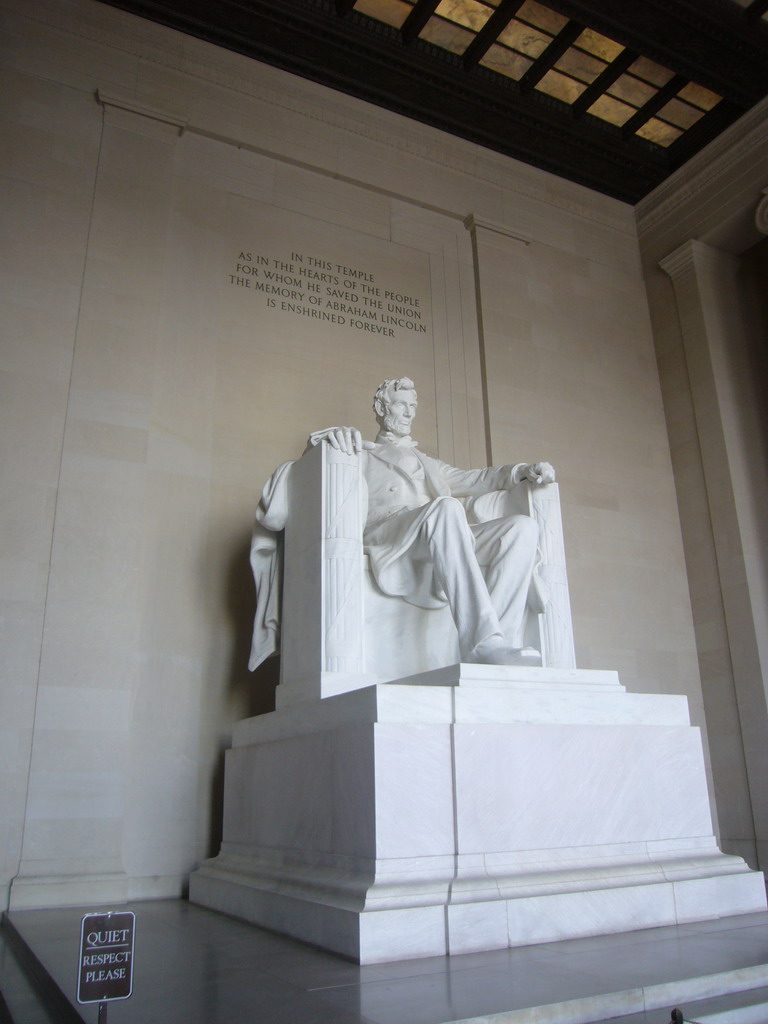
[
  {"x": 370, "y": 891},
  {"x": 464, "y": 674},
  {"x": 602, "y": 1008},
  {"x": 414, "y": 704},
  {"x": 43, "y": 981},
  {"x": 748, "y": 1006},
  {"x": 700, "y": 849},
  {"x": 22, "y": 998},
  {"x": 745, "y": 1006}
]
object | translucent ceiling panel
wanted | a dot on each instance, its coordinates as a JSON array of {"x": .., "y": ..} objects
[
  {"x": 659, "y": 131},
  {"x": 526, "y": 40},
  {"x": 391, "y": 12},
  {"x": 632, "y": 90},
  {"x": 680, "y": 114},
  {"x": 611, "y": 110},
  {"x": 581, "y": 65},
  {"x": 562, "y": 87},
  {"x": 447, "y": 35},
  {"x": 526, "y": 37},
  {"x": 506, "y": 62},
  {"x": 470, "y": 13},
  {"x": 699, "y": 96},
  {"x": 599, "y": 45},
  {"x": 651, "y": 72},
  {"x": 542, "y": 17}
]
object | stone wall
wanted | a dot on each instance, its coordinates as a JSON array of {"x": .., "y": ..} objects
[{"x": 149, "y": 388}]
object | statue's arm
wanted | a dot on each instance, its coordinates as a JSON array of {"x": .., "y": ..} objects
[{"x": 474, "y": 482}]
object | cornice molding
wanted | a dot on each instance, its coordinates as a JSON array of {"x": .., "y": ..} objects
[
  {"x": 472, "y": 223},
  {"x": 402, "y": 134},
  {"x": 739, "y": 143}
]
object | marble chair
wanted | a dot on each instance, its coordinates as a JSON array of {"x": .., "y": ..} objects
[{"x": 340, "y": 632}]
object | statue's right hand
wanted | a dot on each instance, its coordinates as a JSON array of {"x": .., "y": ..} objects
[{"x": 343, "y": 439}]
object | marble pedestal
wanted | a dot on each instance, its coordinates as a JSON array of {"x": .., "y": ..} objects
[{"x": 471, "y": 808}]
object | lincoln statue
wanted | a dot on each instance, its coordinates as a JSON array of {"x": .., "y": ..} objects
[{"x": 422, "y": 544}]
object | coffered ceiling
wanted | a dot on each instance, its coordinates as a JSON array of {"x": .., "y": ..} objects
[{"x": 613, "y": 94}]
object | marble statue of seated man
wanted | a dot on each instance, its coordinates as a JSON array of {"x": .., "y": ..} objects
[{"x": 421, "y": 546}]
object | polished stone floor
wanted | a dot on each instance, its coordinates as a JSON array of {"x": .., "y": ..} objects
[{"x": 194, "y": 966}]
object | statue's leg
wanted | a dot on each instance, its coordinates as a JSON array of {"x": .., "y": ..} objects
[
  {"x": 506, "y": 551},
  {"x": 445, "y": 536}
]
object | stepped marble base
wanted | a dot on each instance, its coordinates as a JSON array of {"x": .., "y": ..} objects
[{"x": 471, "y": 808}]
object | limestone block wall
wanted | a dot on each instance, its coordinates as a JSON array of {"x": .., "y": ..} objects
[{"x": 174, "y": 217}]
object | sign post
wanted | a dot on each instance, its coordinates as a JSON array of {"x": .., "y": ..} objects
[{"x": 106, "y": 959}]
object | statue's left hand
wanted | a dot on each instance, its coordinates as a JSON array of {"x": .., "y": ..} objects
[{"x": 536, "y": 473}]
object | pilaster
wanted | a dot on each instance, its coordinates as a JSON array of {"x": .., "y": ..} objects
[
  {"x": 724, "y": 399},
  {"x": 81, "y": 786}
]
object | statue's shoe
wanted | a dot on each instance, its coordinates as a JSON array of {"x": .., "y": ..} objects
[{"x": 492, "y": 652}]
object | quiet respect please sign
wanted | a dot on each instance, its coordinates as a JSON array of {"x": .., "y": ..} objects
[{"x": 106, "y": 957}]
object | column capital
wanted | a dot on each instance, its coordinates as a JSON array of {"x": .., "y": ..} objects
[{"x": 694, "y": 254}]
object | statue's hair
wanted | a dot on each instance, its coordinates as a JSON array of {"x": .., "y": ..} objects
[{"x": 398, "y": 384}]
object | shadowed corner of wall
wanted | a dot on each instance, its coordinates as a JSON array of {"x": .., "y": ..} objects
[{"x": 253, "y": 692}]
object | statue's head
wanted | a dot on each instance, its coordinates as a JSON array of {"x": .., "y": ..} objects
[{"x": 395, "y": 404}]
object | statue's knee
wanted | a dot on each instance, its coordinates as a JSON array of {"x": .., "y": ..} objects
[
  {"x": 523, "y": 531},
  {"x": 445, "y": 512},
  {"x": 447, "y": 507}
]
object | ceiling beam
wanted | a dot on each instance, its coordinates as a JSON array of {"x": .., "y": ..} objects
[
  {"x": 489, "y": 33},
  {"x": 366, "y": 58},
  {"x": 653, "y": 106},
  {"x": 418, "y": 18},
  {"x": 707, "y": 41},
  {"x": 563, "y": 41},
  {"x": 423, "y": 82},
  {"x": 705, "y": 129},
  {"x": 604, "y": 81}
]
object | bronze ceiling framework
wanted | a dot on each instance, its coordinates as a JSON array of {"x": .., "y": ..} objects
[{"x": 613, "y": 94}]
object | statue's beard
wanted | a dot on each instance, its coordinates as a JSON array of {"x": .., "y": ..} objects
[{"x": 395, "y": 425}]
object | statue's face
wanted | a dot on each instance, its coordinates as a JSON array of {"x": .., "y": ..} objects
[{"x": 397, "y": 413}]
